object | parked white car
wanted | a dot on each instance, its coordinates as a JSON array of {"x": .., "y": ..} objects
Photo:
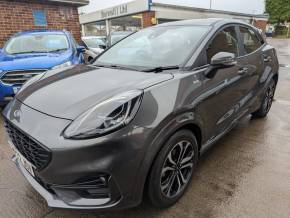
[{"x": 95, "y": 45}]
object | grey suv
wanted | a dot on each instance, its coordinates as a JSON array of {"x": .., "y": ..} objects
[{"x": 136, "y": 121}]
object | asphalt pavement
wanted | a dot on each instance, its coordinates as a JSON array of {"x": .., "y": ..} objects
[{"x": 246, "y": 174}]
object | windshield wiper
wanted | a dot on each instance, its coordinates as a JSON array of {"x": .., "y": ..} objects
[
  {"x": 27, "y": 52},
  {"x": 114, "y": 66},
  {"x": 160, "y": 69},
  {"x": 57, "y": 50}
]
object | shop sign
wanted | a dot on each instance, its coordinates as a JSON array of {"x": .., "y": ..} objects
[
  {"x": 115, "y": 11},
  {"x": 133, "y": 7}
]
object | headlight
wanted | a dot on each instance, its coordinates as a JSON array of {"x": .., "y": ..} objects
[
  {"x": 106, "y": 117},
  {"x": 66, "y": 64}
]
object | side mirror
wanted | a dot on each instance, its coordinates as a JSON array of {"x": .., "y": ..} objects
[
  {"x": 223, "y": 59},
  {"x": 84, "y": 45},
  {"x": 219, "y": 61},
  {"x": 103, "y": 47},
  {"x": 81, "y": 48}
]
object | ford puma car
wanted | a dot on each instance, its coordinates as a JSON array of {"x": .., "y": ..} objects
[
  {"x": 31, "y": 53},
  {"x": 135, "y": 122}
]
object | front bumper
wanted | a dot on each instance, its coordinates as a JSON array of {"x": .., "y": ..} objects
[
  {"x": 53, "y": 200},
  {"x": 118, "y": 156}
]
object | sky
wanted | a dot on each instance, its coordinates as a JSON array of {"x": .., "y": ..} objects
[{"x": 243, "y": 6}]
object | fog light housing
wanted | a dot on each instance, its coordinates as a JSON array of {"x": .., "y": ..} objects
[{"x": 93, "y": 187}]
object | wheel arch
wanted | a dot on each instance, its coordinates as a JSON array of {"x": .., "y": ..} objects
[
  {"x": 276, "y": 77},
  {"x": 191, "y": 126},
  {"x": 196, "y": 130}
]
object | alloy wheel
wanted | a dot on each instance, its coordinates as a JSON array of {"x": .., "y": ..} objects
[
  {"x": 269, "y": 97},
  {"x": 177, "y": 169}
]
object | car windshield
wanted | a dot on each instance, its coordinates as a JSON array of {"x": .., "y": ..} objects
[
  {"x": 37, "y": 43},
  {"x": 94, "y": 42},
  {"x": 117, "y": 38},
  {"x": 154, "y": 47}
]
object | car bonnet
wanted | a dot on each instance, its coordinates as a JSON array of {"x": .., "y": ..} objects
[{"x": 69, "y": 92}]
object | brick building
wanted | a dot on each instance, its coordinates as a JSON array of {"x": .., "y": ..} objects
[
  {"x": 19, "y": 15},
  {"x": 139, "y": 14}
]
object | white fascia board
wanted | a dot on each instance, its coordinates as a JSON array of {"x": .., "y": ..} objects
[
  {"x": 120, "y": 10},
  {"x": 163, "y": 11}
]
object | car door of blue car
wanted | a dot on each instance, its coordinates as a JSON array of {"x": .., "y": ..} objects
[{"x": 78, "y": 56}]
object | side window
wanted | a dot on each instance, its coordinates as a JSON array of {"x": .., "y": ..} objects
[
  {"x": 250, "y": 40},
  {"x": 74, "y": 41},
  {"x": 225, "y": 41}
]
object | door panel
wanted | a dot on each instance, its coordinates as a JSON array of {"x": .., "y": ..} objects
[
  {"x": 249, "y": 80},
  {"x": 219, "y": 100},
  {"x": 252, "y": 60},
  {"x": 221, "y": 93},
  {"x": 269, "y": 59}
]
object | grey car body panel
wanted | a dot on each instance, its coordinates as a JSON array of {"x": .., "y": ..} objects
[
  {"x": 172, "y": 100},
  {"x": 92, "y": 86}
]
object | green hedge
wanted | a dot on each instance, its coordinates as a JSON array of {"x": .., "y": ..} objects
[{"x": 281, "y": 32}]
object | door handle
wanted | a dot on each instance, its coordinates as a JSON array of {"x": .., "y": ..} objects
[
  {"x": 243, "y": 70},
  {"x": 267, "y": 58}
]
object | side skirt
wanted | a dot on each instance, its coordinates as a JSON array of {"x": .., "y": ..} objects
[{"x": 213, "y": 140}]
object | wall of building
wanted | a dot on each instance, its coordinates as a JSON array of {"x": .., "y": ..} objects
[
  {"x": 147, "y": 18},
  {"x": 184, "y": 13},
  {"x": 17, "y": 16},
  {"x": 166, "y": 12},
  {"x": 240, "y": 6},
  {"x": 261, "y": 24},
  {"x": 160, "y": 11}
]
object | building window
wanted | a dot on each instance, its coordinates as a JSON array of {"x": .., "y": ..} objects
[
  {"x": 66, "y": 13},
  {"x": 39, "y": 18},
  {"x": 95, "y": 29}
]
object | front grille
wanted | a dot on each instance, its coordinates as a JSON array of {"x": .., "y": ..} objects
[
  {"x": 19, "y": 77},
  {"x": 35, "y": 153}
]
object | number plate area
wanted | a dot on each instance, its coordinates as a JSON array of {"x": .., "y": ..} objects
[{"x": 22, "y": 160}]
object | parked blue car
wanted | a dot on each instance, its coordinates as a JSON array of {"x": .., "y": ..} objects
[{"x": 30, "y": 53}]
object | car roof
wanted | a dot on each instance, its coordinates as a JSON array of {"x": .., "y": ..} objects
[{"x": 202, "y": 22}]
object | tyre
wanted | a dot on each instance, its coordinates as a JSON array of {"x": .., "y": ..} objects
[
  {"x": 172, "y": 170},
  {"x": 267, "y": 101}
]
